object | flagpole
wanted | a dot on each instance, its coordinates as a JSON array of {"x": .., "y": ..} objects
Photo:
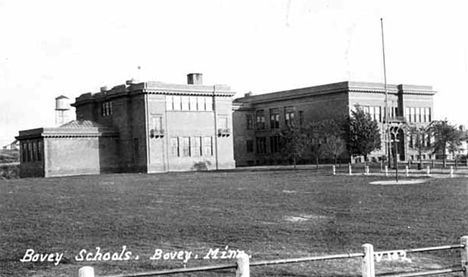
[{"x": 386, "y": 130}]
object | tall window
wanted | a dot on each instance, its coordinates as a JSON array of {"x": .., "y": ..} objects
[
  {"x": 34, "y": 151},
  {"x": 169, "y": 102},
  {"x": 208, "y": 103},
  {"x": 249, "y": 121},
  {"x": 223, "y": 122},
  {"x": 177, "y": 104},
  {"x": 30, "y": 157},
  {"x": 289, "y": 116},
  {"x": 193, "y": 103},
  {"x": 274, "y": 144},
  {"x": 407, "y": 114},
  {"x": 249, "y": 146},
  {"x": 261, "y": 145},
  {"x": 156, "y": 123},
  {"x": 196, "y": 146},
  {"x": 301, "y": 118},
  {"x": 274, "y": 118},
  {"x": 175, "y": 147},
  {"x": 208, "y": 146},
  {"x": 39, "y": 151},
  {"x": 185, "y": 103},
  {"x": 186, "y": 146},
  {"x": 24, "y": 152},
  {"x": 260, "y": 120},
  {"x": 106, "y": 108},
  {"x": 429, "y": 114}
]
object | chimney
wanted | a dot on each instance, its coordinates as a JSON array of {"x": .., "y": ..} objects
[{"x": 194, "y": 79}]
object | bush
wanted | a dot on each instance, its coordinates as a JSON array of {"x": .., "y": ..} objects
[{"x": 9, "y": 172}]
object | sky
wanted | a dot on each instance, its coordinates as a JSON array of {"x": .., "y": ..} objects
[{"x": 51, "y": 48}]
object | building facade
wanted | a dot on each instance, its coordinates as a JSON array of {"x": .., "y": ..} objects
[
  {"x": 259, "y": 118},
  {"x": 137, "y": 127}
]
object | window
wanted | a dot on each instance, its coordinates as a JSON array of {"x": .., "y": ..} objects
[
  {"x": 23, "y": 152},
  {"x": 169, "y": 103},
  {"x": 223, "y": 122},
  {"x": 156, "y": 123},
  {"x": 196, "y": 146},
  {"x": 186, "y": 146},
  {"x": 136, "y": 150},
  {"x": 208, "y": 104},
  {"x": 289, "y": 116},
  {"x": 193, "y": 103},
  {"x": 30, "y": 157},
  {"x": 274, "y": 144},
  {"x": 185, "y": 103},
  {"x": 429, "y": 114},
  {"x": 208, "y": 146},
  {"x": 261, "y": 145},
  {"x": 175, "y": 147},
  {"x": 301, "y": 118},
  {"x": 177, "y": 104},
  {"x": 249, "y": 146},
  {"x": 378, "y": 113},
  {"x": 274, "y": 118},
  {"x": 249, "y": 121},
  {"x": 34, "y": 151},
  {"x": 106, "y": 108},
  {"x": 260, "y": 120},
  {"x": 39, "y": 151}
]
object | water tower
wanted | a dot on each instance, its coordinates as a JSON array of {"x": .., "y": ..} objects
[{"x": 62, "y": 108}]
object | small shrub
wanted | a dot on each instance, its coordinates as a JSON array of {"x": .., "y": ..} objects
[{"x": 9, "y": 172}]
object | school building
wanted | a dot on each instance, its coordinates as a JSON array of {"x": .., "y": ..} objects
[
  {"x": 137, "y": 127},
  {"x": 258, "y": 118}
]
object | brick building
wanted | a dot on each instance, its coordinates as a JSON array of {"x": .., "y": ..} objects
[
  {"x": 137, "y": 127},
  {"x": 258, "y": 118}
]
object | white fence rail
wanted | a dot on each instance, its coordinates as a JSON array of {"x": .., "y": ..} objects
[{"x": 369, "y": 256}]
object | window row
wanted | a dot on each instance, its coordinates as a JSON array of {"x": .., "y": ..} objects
[
  {"x": 106, "y": 108},
  {"x": 419, "y": 141},
  {"x": 189, "y": 103},
  {"x": 274, "y": 119},
  {"x": 418, "y": 114},
  {"x": 191, "y": 146},
  {"x": 261, "y": 145},
  {"x": 31, "y": 151}
]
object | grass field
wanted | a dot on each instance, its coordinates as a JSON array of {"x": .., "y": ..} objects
[{"x": 268, "y": 214}]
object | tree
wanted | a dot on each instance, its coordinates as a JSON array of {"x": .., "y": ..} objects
[
  {"x": 446, "y": 138},
  {"x": 327, "y": 139},
  {"x": 362, "y": 134},
  {"x": 419, "y": 139},
  {"x": 293, "y": 143}
]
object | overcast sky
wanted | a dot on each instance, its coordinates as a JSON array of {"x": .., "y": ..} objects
[{"x": 52, "y": 48}]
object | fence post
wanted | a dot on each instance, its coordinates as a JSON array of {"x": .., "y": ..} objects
[
  {"x": 368, "y": 268},
  {"x": 464, "y": 255},
  {"x": 451, "y": 171},
  {"x": 407, "y": 171},
  {"x": 243, "y": 265},
  {"x": 428, "y": 171},
  {"x": 86, "y": 271},
  {"x": 367, "y": 170},
  {"x": 334, "y": 170},
  {"x": 386, "y": 171},
  {"x": 350, "y": 170}
]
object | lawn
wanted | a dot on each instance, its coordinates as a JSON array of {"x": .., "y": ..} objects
[{"x": 268, "y": 214}]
